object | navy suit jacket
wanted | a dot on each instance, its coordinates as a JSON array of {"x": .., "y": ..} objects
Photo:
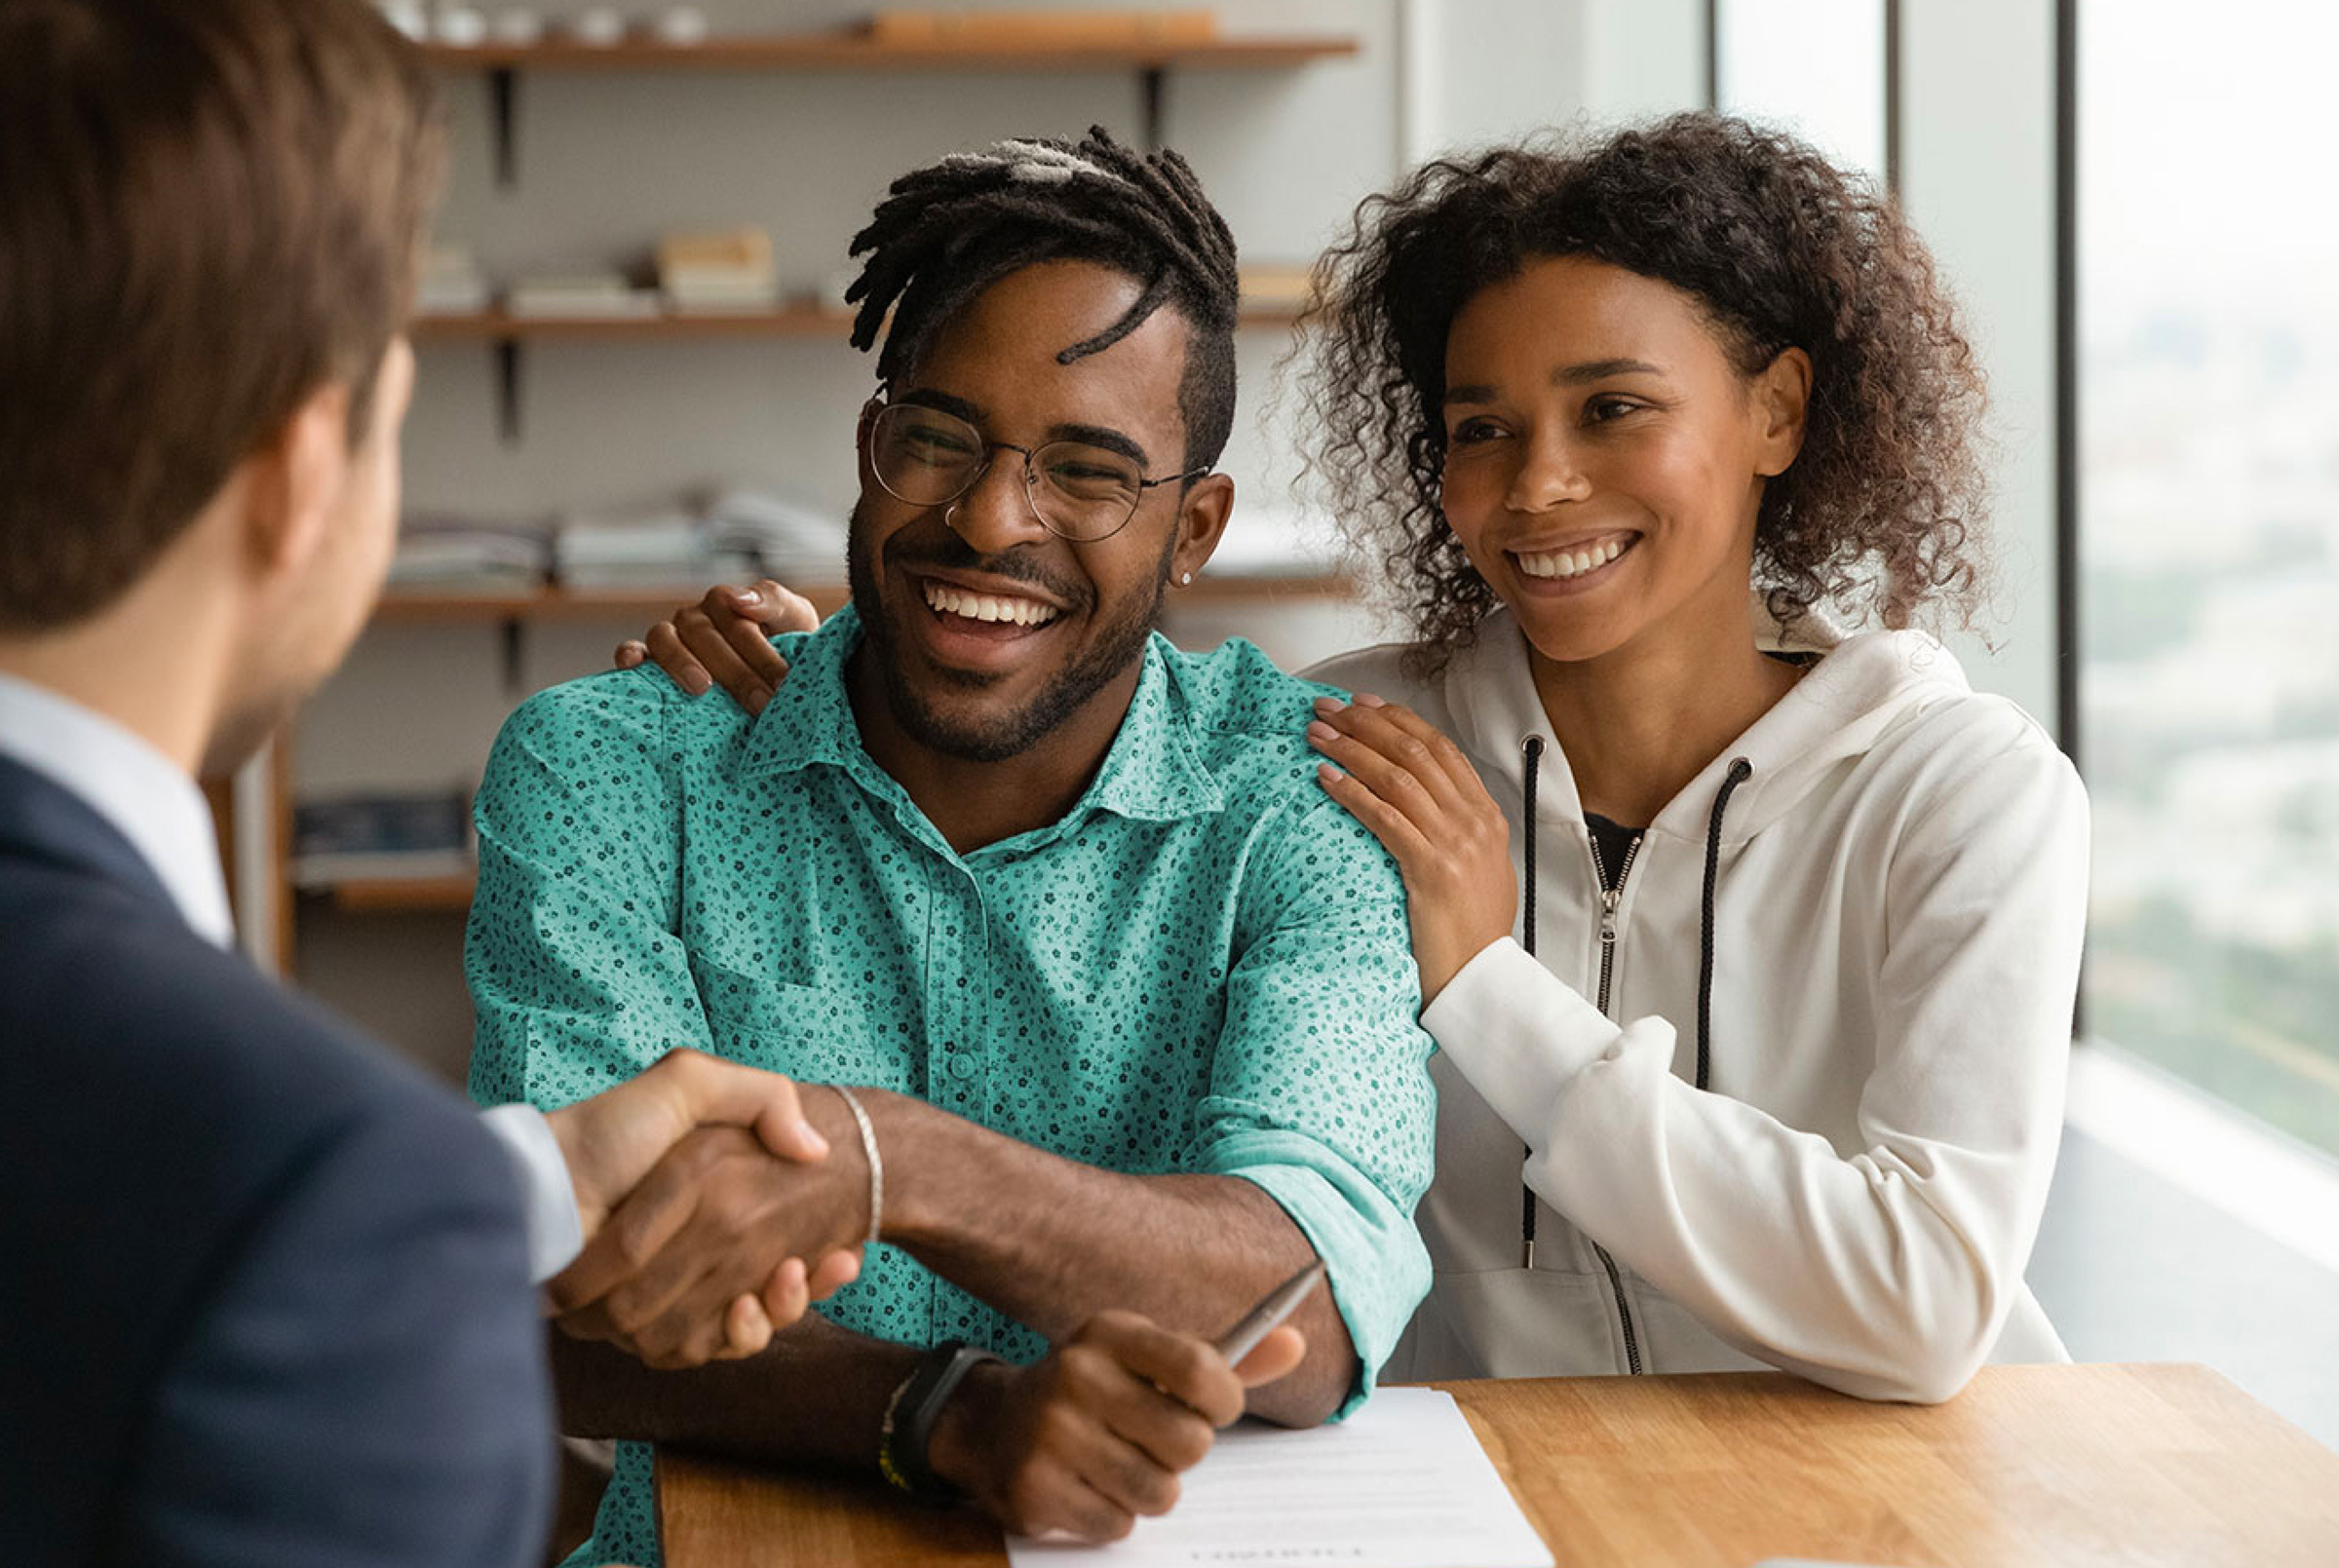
[{"x": 264, "y": 1294}]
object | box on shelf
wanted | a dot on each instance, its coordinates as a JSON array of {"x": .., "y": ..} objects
[
  {"x": 1277, "y": 287},
  {"x": 727, "y": 271}
]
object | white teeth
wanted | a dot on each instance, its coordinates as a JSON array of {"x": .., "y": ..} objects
[
  {"x": 1565, "y": 563},
  {"x": 946, "y": 600}
]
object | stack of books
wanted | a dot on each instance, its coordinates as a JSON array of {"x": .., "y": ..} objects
[
  {"x": 712, "y": 273},
  {"x": 451, "y": 283}
]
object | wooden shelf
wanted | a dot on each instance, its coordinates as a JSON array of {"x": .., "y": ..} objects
[
  {"x": 496, "y": 325},
  {"x": 845, "y": 51},
  {"x": 795, "y": 320},
  {"x": 400, "y": 895}
]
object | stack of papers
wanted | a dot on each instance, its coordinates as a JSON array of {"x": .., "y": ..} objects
[
  {"x": 589, "y": 292},
  {"x": 757, "y": 534},
  {"x": 1402, "y": 1483},
  {"x": 457, "y": 556},
  {"x": 639, "y": 553}
]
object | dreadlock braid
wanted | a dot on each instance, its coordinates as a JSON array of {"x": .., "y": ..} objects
[{"x": 947, "y": 232}]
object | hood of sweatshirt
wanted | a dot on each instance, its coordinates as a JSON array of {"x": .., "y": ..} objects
[{"x": 1862, "y": 686}]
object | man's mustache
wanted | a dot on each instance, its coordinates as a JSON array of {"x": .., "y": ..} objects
[{"x": 952, "y": 553}]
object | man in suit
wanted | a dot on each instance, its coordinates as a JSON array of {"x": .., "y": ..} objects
[{"x": 265, "y": 1295}]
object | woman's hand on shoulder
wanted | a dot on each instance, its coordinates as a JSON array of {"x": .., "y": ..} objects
[
  {"x": 1408, "y": 784},
  {"x": 726, "y": 641}
]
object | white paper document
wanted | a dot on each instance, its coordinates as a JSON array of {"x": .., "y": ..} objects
[{"x": 1402, "y": 1483}]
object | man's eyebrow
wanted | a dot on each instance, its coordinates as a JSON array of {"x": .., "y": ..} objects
[
  {"x": 943, "y": 401},
  {"x": 1112, "y": 441}
]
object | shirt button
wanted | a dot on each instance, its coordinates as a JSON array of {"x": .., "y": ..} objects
[{"x": 962, "y": 1067}]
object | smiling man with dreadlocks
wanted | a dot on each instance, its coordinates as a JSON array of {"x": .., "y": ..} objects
[{"x": 1122, "y": 1003}]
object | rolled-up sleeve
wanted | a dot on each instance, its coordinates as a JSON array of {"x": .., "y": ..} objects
[{"x": 1321, "y": 1092}]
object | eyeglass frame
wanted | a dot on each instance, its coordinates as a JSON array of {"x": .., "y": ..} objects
[{"x": 875, "y": 408}]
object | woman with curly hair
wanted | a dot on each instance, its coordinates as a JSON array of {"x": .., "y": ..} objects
[
  {"x": 1776, "y": 1034},
  {"x": 1781, "y": 1023}
]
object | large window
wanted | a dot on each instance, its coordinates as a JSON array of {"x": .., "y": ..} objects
[
  {"x": 2208, "y": 381},
  {"x": 1815, "y": 67}
]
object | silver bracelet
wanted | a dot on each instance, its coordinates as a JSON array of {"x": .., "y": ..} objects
[{"x": 868, "y": 1147}]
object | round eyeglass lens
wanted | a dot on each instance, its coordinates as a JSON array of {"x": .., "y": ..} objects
[
  {"x": 924, "y": 456},
  {"x": 1082, "y": 491}
]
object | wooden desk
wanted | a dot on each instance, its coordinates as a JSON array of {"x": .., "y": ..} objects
[{"x": 2061, "y": 1466}]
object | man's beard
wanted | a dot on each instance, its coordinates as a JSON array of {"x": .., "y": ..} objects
[{"x": 1112, "y": 649}]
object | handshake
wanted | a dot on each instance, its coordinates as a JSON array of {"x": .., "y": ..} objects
[
  {"x": 698, "y": 1247},
  {"x": 716, "y": 1211}
]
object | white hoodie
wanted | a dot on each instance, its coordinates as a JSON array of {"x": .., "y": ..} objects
[{"x": 1899, "y": 891}]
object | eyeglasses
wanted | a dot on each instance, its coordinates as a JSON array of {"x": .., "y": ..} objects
[{"x": 930, "y": 458}]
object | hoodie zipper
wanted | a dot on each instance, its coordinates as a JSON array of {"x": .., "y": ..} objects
[{"x": 1610, "y": 900}]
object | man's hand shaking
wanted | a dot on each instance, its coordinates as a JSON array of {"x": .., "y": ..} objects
[{"x": 614, "y": 1140}]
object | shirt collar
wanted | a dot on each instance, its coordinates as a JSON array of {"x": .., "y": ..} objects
[
  {"x": 141, "y": 793},
  {"x": 1150, "y": 774}
]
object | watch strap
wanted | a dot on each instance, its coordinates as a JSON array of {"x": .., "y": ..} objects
[{"x": 911, "y": 1414}]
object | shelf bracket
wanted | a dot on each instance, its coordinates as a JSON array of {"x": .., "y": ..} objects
[
  {"x": 511, "y": 634},
  {"x": 1150, "y": 82},
  {"x": 507, "y": 389},
  {"x": 503, "y": 97}
]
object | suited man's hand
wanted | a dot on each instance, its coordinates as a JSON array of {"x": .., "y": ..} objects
[
  {"x": 719, "y": 1221},
  {"x": 614, "y": 1139}
]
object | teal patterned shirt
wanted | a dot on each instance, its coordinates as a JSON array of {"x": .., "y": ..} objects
[{"x": 1201, "y": 967}]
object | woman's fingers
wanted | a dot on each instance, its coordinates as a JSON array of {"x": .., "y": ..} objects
[
  {"x": 681, "y": 667},
  {"x": 1392, "y": 764},
  {"x": 1392, "y": 828},
  {"x": 1441, "y": 746}
]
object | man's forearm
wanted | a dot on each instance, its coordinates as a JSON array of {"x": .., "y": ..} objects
[
  {"x": 817, "y": 1396},
  {"x": 1053, "y": 1242}
]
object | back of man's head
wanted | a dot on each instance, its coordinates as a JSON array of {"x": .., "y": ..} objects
[
  {"x": 209, "y": 210},
  {"x": 947, "y": 232}
]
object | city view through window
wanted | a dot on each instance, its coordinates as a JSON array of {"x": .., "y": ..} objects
[{"x": 2208, "y": 380}]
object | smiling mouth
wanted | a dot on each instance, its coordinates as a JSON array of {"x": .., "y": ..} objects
[
  {"x": 996, "y": 612},
  {"x": 1563, "y": 565}
]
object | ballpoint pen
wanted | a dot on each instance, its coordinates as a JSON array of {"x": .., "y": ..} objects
[{"x": 1273, "y": 1308}]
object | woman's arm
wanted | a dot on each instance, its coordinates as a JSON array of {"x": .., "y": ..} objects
[{"x": 1887, "y": 1273}]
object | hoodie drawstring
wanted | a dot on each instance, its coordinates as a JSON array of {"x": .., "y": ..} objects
[
  {"x": 1741, "y": 770},
  {"x": 1532, "y": 750}
]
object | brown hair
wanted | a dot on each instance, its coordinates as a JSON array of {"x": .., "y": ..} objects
[
  {"x": 1879, "y": 513},
  {"x": 213, "y": 208}
]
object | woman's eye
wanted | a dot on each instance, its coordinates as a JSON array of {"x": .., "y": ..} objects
[
  {"x": 1473, "y": 431},
  {"x": 1605, "y": 411}
]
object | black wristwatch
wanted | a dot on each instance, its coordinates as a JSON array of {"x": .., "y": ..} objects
[{"x": 910, "y": 1415}]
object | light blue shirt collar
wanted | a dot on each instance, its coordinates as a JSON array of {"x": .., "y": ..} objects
[{"x": 141, "y": 793}]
